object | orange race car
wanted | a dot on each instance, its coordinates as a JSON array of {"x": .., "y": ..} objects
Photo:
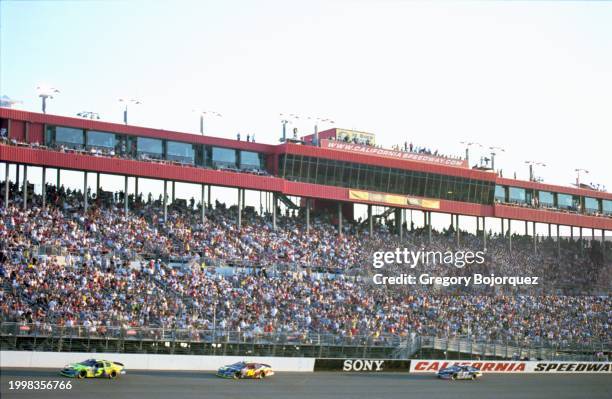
[{"x": 245, "y": 370}]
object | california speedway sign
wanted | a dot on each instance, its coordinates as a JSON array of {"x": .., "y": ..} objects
[
  {"x": 433, "y": 366},
  {"x": 394, "y": 154},
  {"x": 575, "y": 367},
  {"x": 496, "y": 366}
]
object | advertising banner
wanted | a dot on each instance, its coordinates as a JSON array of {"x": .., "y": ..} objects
[
  {"x": 393, "y": 199},
  {"x": 394, "y": 154},
  {"x": 361, "y": 365},
  {"x": 500, "y": 366}
]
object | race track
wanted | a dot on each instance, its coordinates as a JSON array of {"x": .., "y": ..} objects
[{"x": 176, "y": 385}]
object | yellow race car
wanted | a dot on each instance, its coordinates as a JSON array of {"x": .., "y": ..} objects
[
  {"x": 245, "y": 370},
  {"x": 92, "y": 368}
]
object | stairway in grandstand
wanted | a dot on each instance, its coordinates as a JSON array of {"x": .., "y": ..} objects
[
  {"x": 385, "y": 214},
  {"x": 287, "y": 201},
  {"x": 407, "y": 348}
]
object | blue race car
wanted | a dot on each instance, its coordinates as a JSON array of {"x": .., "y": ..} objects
[
  {"x": 459, "y": 372},
  {"x": 245, "y": 370}
]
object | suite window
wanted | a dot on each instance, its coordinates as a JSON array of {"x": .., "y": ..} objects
[
  {"x": 151, "y": 148},
  {"x": 312, "y": 170},
  {"x": 101, "y": 140},
  {"x": 591, "y": 205},
  {"x": 607, "y": 207},
  {"x": 517, "y": 195},
  {"x": 546, "y": 198},
  {"x": 500, "y": 193},
  {"x": 565, "y": 201},
  {"x": 65, "y": 136},
  {"x": 225, "y": 157},
  {"x": 251, "y": 160},
  {"x": 181, "y": 152},
  {"x": 200, "y": 154},
  {"x": 418, "y": 184}
]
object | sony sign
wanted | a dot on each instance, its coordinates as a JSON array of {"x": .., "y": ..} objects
[{"x": 363, "y": 365}]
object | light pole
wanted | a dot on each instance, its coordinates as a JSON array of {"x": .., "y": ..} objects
[
  {"x": 202, "y": 113},
  {"x": 316, "y": 127},
  {"x": 285, "y": 120},
  {"x": 317, "y": 120},
  {"x": 125, "y": 110},
  {"x": 467, "y": 145},
  {"x": 493, "y": 153},
  {"x": 578, "y": 175},
  {"x": 284, "y": 123},
  {"x": 531, "y": 165},
  {"x": 46, "y": 92},
  {"x": 89, "y": 115}
]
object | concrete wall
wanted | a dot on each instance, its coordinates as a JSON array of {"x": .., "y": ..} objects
[
  {"x": 27, "y": 359},
  {"x": 148, "y": 361}
]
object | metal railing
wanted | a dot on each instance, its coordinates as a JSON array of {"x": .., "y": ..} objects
[
  {"x": 43, "y": 336},
  {"x": 464, "y": 348},
  {"x": 192, "y": 335},
  {"x": 49, "y": 337}
]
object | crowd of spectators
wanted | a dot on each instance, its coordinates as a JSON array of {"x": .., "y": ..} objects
[
  {"x": 411, "y": 147},
  {"x": 117, "y": 270},
  {"x": 406, "y": 147}
]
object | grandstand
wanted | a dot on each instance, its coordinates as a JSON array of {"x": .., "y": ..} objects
[{"x": 97, "y": 270}]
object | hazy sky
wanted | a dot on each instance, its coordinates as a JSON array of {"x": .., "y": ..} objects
[{"x": 531, "y": 77}]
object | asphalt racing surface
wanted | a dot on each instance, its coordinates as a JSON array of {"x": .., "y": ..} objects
[{"x": 177, "y": 385}]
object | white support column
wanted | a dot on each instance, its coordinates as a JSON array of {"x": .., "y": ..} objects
[
  {"x": 510, "y": 234},
  {"x": 458, "y": 234},
  {"x": 274, "y": 211},
  {"x": 44, "y": 187},
  {"x": 173, "y": 191},
  {"x": 136, "y": 191},
  {"x": 428, "y": 218},
  {"x": 526, "y": 228},
  {"x": 203, "y": 211},
  {"x": 97, "y": 185},
  {"x": 484, "y": 232},
  {"x": 165, "y": 201},
  {"x": 85, "y": 191},
  {"x": 535, "y": 247},
  {"x": 7, "y": 183},
  {"x": 239, "y": 223},
  {"x": 371, "y": 220},
  {"x": 549, "y": 231},
  {"x": 125, "y": 195},
  {"x": 558, "y": 242},
  {"x": 307, "y": 215},
  {"x": 208, "y": 202},
  {"x": 603, "y": 245},
  {"x": 400, "y": 223},
  {"x": 340, "y": 218},
  {"x": 18, "y": 186},
  {"x": 25, "y": 186}
]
